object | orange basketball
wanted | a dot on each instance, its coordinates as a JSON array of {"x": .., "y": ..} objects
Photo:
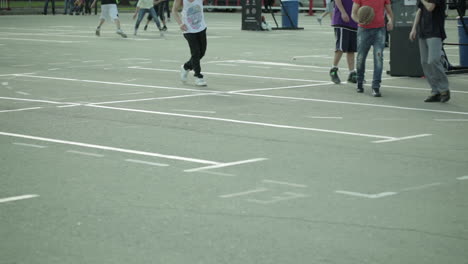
[{"x": 365, "y": 15}]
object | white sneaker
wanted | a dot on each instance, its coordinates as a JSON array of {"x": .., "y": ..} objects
[
  {"x": 135, "y": 33},
  {"x": 161, "y": 33},
  {"x": 200, "y": 82},
  {"x": 121, "y": 33},
  {"x": 183, "y": 74}
]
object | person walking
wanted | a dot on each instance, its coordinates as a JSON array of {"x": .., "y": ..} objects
[
  {"x": 372, "y": 34},
  {"x": 346, "y": 39},
  {"x": 143, "y": 7},
  {"x": 329, "y": 6},
  {"x": 109, "y": 11},
  {"x": 46, "y": 5},
  {"x": 429, "y": 28},
  {"x": 192, "y": 23}
]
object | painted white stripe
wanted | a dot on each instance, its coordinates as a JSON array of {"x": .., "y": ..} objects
[
  {"x": 462, "y": 178},
  {"x": 16, "y": 198},
  {"x": 85, "y": 153},
  {"x": 45, "y": 40},
  {"x": 223, "y": 165},
  {"x": 245, "y": 122},
  {"x": 230, "y": 74},
  {"x": 112, "y": 83},
  {"x": 279, "y": 88},
  {"x": 92, "y": 61},
  {"x": 28, "y": 145},
  {"x": 217, "y": 173},
  {"x": 21, "y": 109},
  {"x": 289, "y": 69},
  {"x": 194, "y": 111},
  {"x": 425, "y": 186},
  {"x": 22, "y": 93},
  {"x": 286, "y": 183},
  {"x": 147, "y": 162},
  {"x": 225, "y": 64},
  {"x": 325, "y": 117},
  {"x": 64, "y": 106},
  {"x": 352, "y": 103},
  {"x": 258, "y": 67},
  {"x": 151, "y": 99},
  {"x": 243, "y": 193},
  {"x": 371, "y": 196},
  {"x": 86, "y": 145},
  {"x": 290, "y": 196},
  {"x": 33, "y": 100},
  {"x": 451, "y": 120},
  {"x": 401, "y": 138}
]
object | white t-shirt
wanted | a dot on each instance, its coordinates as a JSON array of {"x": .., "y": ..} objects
[
  {"x": 192, "y": 16},
  {"x": 146, "y": 4}
]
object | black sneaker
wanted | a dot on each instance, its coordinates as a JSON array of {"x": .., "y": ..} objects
[
  {"x": 432, "y": 98},
  {"x": 376, "y": 92},
  {"x": 145, "y": 28},
  {"x": 334, "y": 75},
  {"x": 352, "y": 78},
  {"x": 445, "y": 96},
  {"x": 360, "y": 88},
  {"x": 164, "y": 28}
]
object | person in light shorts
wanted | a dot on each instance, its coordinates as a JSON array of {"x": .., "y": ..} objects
[{"x": 109, "y": 12}]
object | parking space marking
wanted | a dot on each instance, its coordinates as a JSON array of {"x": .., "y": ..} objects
[
  {"x": 20, "y": 109},
  {"x": 285, "y": 183},
  {"x": 275, "y": 199},
  {"x": 17, "y": 198},
  {"x": 462, "y": 178},
  {"x": 243, "y": 193},
  {"x": 227, "y": 164},
  {"x": 29, "y": 145},
  {"x": 147, "y": 163},
  {"x": 85, "y": 153},
  {"x": 365, "y": 195}
]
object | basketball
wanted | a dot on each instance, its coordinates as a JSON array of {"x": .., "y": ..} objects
[{"x": 365, "y": 15}]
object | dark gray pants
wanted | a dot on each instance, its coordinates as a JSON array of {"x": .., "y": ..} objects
[{"x": 431, "y": 62}]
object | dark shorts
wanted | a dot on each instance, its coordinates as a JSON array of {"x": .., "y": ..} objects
[{"x": 346, "y": 39}]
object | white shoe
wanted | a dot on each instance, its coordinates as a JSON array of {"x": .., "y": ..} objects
[
  {"x": 161, "y": 33},
  {"x": 200, "y": 82},
  {"x": 121, "y": 33},
  {"x": 183, "y": 74}
]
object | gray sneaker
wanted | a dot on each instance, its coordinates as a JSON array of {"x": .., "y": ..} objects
[
  {"x": 183, "y": 74},
  {"x": 121, "y": 33},
  {"x": 98, "y": 32}
]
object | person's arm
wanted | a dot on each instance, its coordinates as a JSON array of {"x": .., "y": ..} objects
[
  {"x": 137, "y": 9},
  {"x": 175, "y": 13},
  {"x": 354, "y": 15},
  {"x": 388, "y": 8},
  {"x": 414, "y": 29},
  {"x": 340, "y": 6},
  {"x": 428, "y": 5}
]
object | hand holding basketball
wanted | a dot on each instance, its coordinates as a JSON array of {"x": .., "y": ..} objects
[{"x": 365, "y": 15}]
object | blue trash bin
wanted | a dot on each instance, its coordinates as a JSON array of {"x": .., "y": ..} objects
[
  {"x": 290, "y": 13},
  {"x": 463, "y": 39}
]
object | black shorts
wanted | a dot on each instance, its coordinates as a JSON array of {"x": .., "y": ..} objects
[{"x": 346, "y": 39}]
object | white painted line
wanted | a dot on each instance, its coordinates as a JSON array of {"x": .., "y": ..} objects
[
  {"x": 64, "y": 106},
  {"x": 425, "y": 186},
  {"x": 451, "y": 120},
  {"x": 28, "y": 145},
  {"x": 136, "y": 152},
  {"x": 21, "y": 109},
  {"x": 33, "y": 100},
  {"x": 217, "y": 173},
  {"x": 225, "y": 64},
  {"x": 111, "y": 83},
  {"x": 22, "y": 93},
  {"x": 54, "y": 69},
  {"x": 16, "y": 198},
  {"x": 401, "y": 138},
  {"x": 275, "y": 199},
  {"x": 147, "y": 162},
  {"x": 351, "y": 103},
  {"x": 169, "y": 61},
  {"x": 151, "y": 99},
  {"x": 227, "y": 164},
  {"x": 258, "y": 67},
  {"x": 325, "y": 117},
  {"x": 277, "y": 88},
  {"x": 462, "y": 178},
  {"x": 245, "y": 122},
  {"x": 194, "y": 111},
  {"x": 289, "y": 69},
  {"x": 232, "y": 75},
  {"x": 371, "y": 196},
  {"x": 286, "y": 183},
  {"x": 243, "y": 193},
  {"x": 58, "y": 63},
  {"x": 92, "y": 61},
  {"x": 45, "y": 40},
  {"x": 133, "y": 59},
  {"x": 4, "y": 83},
  {"x": 85, "y": 153}
]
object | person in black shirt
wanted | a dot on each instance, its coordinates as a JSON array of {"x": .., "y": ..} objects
[{"x": 429, "y": 26}]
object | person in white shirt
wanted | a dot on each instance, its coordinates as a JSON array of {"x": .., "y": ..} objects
[
  {"x": 109, "y": 11},
  {"x": 143, "y": 7},
  {"x": 192, "y": 23}
]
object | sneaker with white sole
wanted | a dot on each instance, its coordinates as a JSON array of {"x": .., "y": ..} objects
[
  {"x": 200, "y": 82},
  {"x": 121, "y": 33},
  {"x": 183, "y": 74}
]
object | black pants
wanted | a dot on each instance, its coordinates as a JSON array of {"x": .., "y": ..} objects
[
  {"x": 47, "y": 4},
  {"x": 197, "y": 44}
]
